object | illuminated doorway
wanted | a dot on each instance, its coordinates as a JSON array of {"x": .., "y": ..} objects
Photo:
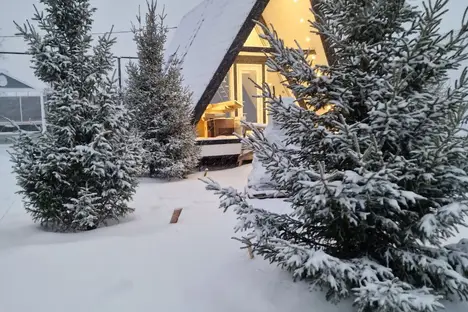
[{"x": 248, "y": 75}]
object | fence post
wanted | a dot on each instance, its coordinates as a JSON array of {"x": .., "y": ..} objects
[
  {"x": 21, "y": 106},
  {"x": 119, "y": 70},
  {"x": 43, "y": 117}
]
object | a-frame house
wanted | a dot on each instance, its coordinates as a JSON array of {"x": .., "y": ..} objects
[{"x": 222, "y": 53}]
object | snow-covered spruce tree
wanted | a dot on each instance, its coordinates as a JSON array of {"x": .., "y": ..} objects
[
  {"x": 79, "y": 173},
  {"x": 160, "y": 104},
  {"x": 380, "y": 181}
]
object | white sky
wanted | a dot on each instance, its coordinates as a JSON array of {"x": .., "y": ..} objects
[{"x": 121, "y": 13}]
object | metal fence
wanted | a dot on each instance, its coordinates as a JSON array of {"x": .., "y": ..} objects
[
  {"x": 25, "y": 107},
  {"x": 19, "y": 63}
]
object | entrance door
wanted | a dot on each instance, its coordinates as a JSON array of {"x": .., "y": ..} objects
[{"x": 248, "y": 93}]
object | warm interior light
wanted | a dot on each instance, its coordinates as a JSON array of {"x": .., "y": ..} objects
[
  {"x": 314, "y": 56},
  {"x": 308, "y": 39},
  {"x": 324, "y": 109},
  {"x": 301, "y": 20}
]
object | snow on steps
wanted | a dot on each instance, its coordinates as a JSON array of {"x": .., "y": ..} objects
[{"x": 219, "y": 146}]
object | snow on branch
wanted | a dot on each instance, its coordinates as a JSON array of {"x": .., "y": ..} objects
[{"x": 443, "y": 223}]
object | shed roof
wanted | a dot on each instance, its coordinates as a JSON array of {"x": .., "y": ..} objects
[{"x": 9, "y": 83}]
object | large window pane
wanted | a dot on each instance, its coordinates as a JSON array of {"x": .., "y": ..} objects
[
  {"x": 10, "y": 108},
  {"x": 31, "y": 106},
  {"x": 223, "y": 92},
  {"x": 249, "y": 93}
]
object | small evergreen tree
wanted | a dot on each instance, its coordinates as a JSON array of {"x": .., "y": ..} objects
[
  {"x": 379, "y": 182},
  {"x": 78, "y": 174},
  {"x": 160, "y": 104}
]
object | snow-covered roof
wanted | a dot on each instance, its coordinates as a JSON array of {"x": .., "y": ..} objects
[
  {"x": 205, "y": 36},
  {"x": 9, "y": 83}
]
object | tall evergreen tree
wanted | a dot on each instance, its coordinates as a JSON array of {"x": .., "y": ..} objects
[
  {"x": 161, "y": 105},
  {"x": 79, "y": 173},
  {"x": 380, "y": 181}
]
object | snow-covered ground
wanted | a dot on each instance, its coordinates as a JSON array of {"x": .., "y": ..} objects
[{"x": 145, "y": 264}]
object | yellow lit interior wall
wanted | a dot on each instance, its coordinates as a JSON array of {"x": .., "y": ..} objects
[
  {"x": 277, "y": 82},
  {"x": 290, "y": 18},
  {"x": 254, "y": 39}
]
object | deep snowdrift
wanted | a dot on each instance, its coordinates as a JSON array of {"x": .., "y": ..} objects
[{"x": 145, "y": 264}]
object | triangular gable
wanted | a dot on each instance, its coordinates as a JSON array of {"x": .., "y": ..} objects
[
  {"x": 10, "y": 83},
  {"x": 210, "y": 37},
  {"x": 254, "y": 39},
  {"x": 208, "y": 40}
]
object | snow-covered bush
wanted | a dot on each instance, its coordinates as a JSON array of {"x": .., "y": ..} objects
[
  {"x": 161, "y": 106},
  {"x": 380, "y": 181},
  {"x": 260, "y": 183},
  {"x": 79, "y": 173}
]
